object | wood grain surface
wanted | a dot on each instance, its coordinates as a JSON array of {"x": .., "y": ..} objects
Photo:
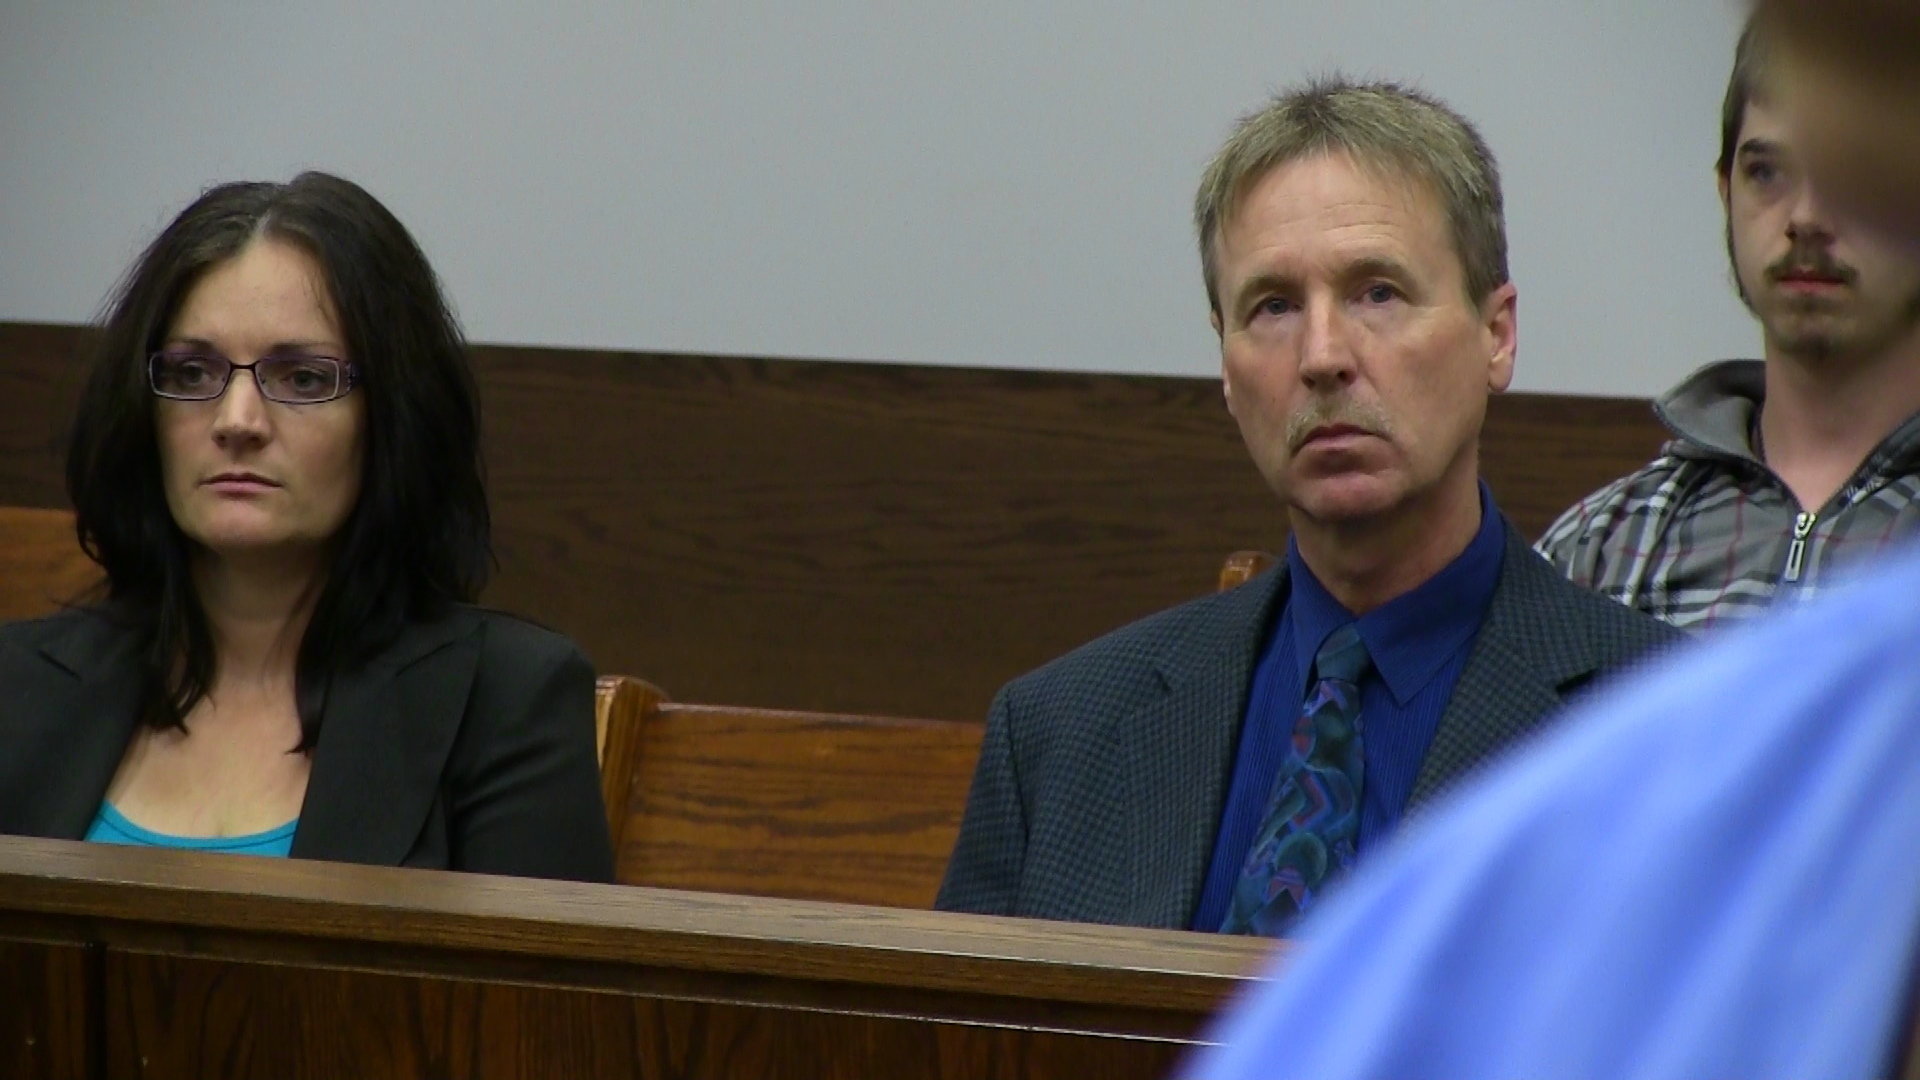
[
  {"x": 290, "y": 1023},
  {"x": 47, "y": 1011},
  {"x": 213, "y": 965},
  {"x": 864, "y": 538},
  {"x": 621, "y": 706},
  {"x": 41, "y": 564},
  {"x": 764, "y": 802},
  {"x": 656, "y": 928}
]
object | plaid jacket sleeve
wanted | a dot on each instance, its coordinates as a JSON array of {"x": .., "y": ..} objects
[{"x": 1571, "y": 542}]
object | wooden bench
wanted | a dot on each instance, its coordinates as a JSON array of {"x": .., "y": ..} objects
[
  {"x": 1243, "y": 566},
  {"x": 769, "y": 802},
  {"x": 41, "y": 564},
  {"x": 162, "y": 964}
]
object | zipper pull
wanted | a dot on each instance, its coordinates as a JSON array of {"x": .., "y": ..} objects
[{"x": 1797, "y": 551}]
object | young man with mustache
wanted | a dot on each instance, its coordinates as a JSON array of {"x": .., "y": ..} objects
[
  {"x": 1216, "y": 767},
  {"x": 1849, "y": 82},
  {"x": 1783, "y": 468}
]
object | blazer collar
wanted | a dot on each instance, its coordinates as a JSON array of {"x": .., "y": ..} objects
[
  {"x": 92, "y": 645},
  {"x": 72, "y": 706},
  {"x": 1180, "y": 746},
  {"x": 1532, "y": 648},
  {"x": 386, "y": 733}
]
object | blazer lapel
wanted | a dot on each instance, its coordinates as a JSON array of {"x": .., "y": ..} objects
[
  {"x": 68, "y": 716},
  {"x": 385, "y": 736},
  {"x": 1177, "y": 753},
  {"x": 1530, "y": 649}
]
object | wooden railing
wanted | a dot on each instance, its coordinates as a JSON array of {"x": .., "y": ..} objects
[{"x": 162, "y": 964}]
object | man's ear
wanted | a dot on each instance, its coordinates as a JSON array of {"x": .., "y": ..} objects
[{"x": 1500, "y": 315}]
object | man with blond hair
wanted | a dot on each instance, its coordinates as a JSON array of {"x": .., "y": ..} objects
[
  {"x": 1784, "y": 469},
  {"x": 1219, "y": 765}
]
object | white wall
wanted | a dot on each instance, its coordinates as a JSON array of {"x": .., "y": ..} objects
[{"x": 992, "y": 183}]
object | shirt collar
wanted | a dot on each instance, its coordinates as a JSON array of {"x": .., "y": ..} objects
[{"x": 1412, "y": 636}]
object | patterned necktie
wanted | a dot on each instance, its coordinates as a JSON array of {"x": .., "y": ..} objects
[{"x": 1314, "y": 815}]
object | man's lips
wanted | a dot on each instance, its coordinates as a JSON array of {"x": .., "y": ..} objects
[
  {"x": 1810, "y": 279},
  {"x": 1333, "y": 434}
]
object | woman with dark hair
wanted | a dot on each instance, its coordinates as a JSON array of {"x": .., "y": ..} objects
[{"x": 276, "y": 460}]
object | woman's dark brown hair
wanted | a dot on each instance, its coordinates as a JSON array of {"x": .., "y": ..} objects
[{"x": 418, "y": 538}]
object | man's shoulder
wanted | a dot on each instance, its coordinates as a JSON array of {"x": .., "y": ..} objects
[
  {"x": 1136, "y": 658},
  {"x": 1612, "y": 630}
]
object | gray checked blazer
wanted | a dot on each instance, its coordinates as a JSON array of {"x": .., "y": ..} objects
[{"x": 1103, "y": 774}]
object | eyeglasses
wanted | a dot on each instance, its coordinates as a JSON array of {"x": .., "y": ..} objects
[{"x": 290, "y": 380}]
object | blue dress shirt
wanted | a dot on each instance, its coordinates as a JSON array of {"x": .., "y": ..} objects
[
  {"x": 1707, "y": 871},
  {"x": 1419, "y": 643}
]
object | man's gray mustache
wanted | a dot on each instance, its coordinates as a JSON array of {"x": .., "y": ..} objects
[{"x": 1367, "y": 417}]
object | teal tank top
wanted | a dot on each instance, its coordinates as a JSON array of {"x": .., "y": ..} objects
[{"x": 109, "y": 827}]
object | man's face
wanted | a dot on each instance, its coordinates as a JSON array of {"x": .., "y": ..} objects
[
  {"x": 1354, "y": 363},
  {"x": 1847, "y": 77},
  {"x": 1820, "y": 288}
]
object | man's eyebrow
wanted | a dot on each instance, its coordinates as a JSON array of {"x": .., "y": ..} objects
[
  {"x": 1258, "y": 284},
  {"x": 1378, "y": 266},
  {"x": 1759, "y": 146}
]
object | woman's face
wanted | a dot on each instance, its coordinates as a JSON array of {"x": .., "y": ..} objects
[{"x": 246, "y": 476}]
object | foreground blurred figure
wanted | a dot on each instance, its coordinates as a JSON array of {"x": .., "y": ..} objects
[
  {"x": 1710, "y": 873},
  {"x": 276, "y": 461}
]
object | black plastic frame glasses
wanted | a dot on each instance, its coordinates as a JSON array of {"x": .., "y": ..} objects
[{"x": 289, "y": 380}]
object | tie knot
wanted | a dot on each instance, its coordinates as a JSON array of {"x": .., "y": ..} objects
[{"x": 1342, "y": 656}]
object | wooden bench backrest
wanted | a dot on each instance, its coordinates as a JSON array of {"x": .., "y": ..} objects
[
  {"x": 41, "y": 564},
  {"x": 767, "y": 802},
  {"x": 620, "y": 706},
  {"x": 1241, "y": 567}
]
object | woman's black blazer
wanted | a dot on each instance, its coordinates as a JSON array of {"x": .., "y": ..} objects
[{"x": 468, "y": 744}]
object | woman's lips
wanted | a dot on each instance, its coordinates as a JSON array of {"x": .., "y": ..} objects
[{"x": 240, "y": 484}]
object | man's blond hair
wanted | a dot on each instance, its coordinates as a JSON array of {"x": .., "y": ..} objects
[{"x": 1383, "y": 127}]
